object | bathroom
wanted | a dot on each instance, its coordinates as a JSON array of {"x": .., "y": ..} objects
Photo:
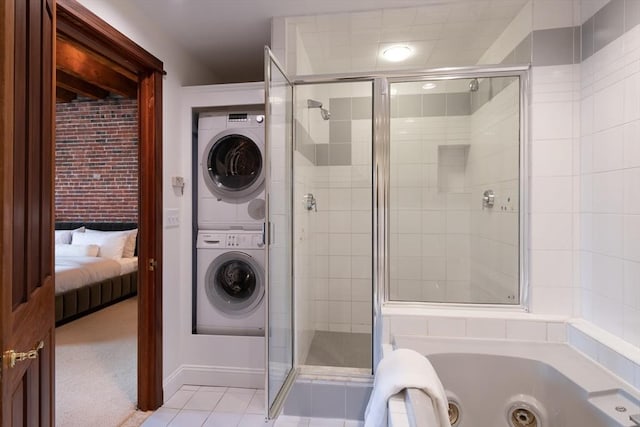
[
  {"x": 572, "y": 265},
  {"x": 556, "y": 259}
]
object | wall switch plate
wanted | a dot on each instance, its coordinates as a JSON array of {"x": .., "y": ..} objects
[{"x": 171, "y": 218}]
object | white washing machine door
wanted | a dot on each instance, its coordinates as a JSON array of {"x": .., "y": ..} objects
[
  {"x": 234, "y": 284},
  {"x": 233, "y": 166}
]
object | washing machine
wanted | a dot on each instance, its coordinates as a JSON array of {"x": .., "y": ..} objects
[
  {"x": 231, "y": 162},
  {"x": 230, "y": 283}
]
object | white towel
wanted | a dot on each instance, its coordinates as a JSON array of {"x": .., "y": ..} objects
[{"x": 405, "y": 368}]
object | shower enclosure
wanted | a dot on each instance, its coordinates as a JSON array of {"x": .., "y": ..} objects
[
  {"x": 386, "y": 190},
  {"x": 454, "y": 189}
]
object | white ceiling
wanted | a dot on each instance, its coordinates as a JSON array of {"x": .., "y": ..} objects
[{"x": 229, "y": 35}]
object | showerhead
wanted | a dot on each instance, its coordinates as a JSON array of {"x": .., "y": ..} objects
[
  {"x": 474, "y": 85},
  {"x": 312, "y": 103}
]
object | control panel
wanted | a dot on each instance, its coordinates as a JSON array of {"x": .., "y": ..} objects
[{"x": 232, "y": 240}]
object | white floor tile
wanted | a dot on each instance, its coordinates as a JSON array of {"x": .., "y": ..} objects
[
  {"x": 353, "y": 423},
  {"x": 188, "y": 387},
  {"x": 188, "y": 418},
  {"x": 223, "y": 419},
  {"x": 256, "y": 406},
  {"x": 161, "y": 418},
  {"x": 213, "y": 388},
  {"x": 326, "y": 422},
  {"x": 233, "y": 402},
  {"x": 179, "y": 399},
  {"x": 238, "y": 390},
  {"x": 254, "y": 420},
  {"x": 289, "y": 421},
  {"x": 204, "y": 400}
]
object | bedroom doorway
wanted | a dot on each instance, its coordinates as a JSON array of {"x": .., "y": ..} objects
[{"x": 99, "y": 57}]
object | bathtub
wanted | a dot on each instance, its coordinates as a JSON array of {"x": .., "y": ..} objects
[{"x": 523, "y": 384}]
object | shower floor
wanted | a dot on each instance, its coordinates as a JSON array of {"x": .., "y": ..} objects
[{"x": 340, "y": 349}]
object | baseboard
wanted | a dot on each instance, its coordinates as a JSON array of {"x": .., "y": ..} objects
[{"x": 219, "y": 376}]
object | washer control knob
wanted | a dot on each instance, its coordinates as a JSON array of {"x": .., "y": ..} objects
[{"x": 260, "y": 118}]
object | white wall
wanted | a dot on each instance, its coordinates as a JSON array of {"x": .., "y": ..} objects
[
  {"x": 610, "y": 199},
  {"x": 181, "y": 70}
]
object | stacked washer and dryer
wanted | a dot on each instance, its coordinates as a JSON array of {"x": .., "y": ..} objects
[{"x": 230, "y": 254}]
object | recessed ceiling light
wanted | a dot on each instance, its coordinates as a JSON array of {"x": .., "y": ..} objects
[
  {"x": 429, "y": 86},
  {"x": 397, "y": 53}
]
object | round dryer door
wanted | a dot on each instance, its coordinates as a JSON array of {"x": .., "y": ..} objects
[
  {"x": 233, "y": 166},
  {"x": 234, "y": 283}
]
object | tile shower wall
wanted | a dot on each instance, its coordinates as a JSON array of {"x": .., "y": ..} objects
[
  {"x": 303, "y": 256},
  {"x": 446, "y": 150},
  {"x": 343, "y": 227},
  {"x": 583, "y": 166},
  {"x": 492, "y": 165},
  {"x": 336, "y": 157},
  {"x": 610, "y": 169},
  {"x": 429, "y": 201}
]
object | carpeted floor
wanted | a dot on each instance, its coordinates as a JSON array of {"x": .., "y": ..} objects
[{"x": 96, "y": 378}]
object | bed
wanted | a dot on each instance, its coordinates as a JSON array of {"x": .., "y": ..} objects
[{"x": 90, "y": 271}]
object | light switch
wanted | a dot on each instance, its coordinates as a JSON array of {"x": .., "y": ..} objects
[{"x": 171, "y": 218}]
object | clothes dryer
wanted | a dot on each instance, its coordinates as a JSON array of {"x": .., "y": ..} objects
[
  {"x": 231, "y": 163},
  {"x": 230, "y": 283}
]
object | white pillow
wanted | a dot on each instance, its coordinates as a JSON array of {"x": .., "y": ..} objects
[
  {"x": 130, "y": 245},
  {"x": 77, "y": 250},
  {"x": 64, "y": 236},
  {"x": 111, "y": 244}
]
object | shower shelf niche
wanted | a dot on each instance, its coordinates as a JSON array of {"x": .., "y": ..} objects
[{"x": 452, "y": 164}]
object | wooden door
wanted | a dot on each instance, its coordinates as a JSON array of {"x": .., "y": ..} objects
[{"x": 26, "y": 183}]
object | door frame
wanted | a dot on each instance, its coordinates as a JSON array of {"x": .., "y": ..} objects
[{"x": 79, "y": 25}]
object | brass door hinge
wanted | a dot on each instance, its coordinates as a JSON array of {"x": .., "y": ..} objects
[{"x": 152, "y": 264}]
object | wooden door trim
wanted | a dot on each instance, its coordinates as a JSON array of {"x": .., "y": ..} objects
[
  {"x": 7, "y": 15},
  {"x": 78, "y": 25}
]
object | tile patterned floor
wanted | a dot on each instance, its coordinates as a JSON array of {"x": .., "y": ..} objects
[
  {"x": 195, "y": 406},
  {"x": 341, "y": 349}
]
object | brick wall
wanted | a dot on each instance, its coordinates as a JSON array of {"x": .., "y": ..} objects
[{"x": 97, "y": 160}]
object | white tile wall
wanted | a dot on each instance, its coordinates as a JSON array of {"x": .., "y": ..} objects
[
  {"x": 584, "y": 206},
  {"x": 494, "y": 271},
  {"x": 336, "y": 277},
  {"x": 609, "y": 204}
]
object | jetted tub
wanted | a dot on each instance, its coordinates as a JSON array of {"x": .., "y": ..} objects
[{"x": 493, "y": 383}]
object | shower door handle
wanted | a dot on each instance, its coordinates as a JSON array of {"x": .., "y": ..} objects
[{"x": 267, "y": 233}]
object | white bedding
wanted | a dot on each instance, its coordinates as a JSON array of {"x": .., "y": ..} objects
[
  {"x": 128, "y": 265},
  {"x": 74, "y": 272}
]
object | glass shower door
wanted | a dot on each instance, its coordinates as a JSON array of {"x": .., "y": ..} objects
[
  {"x": 455, "y": 205},
  {"x": 278, "y": 234}
]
